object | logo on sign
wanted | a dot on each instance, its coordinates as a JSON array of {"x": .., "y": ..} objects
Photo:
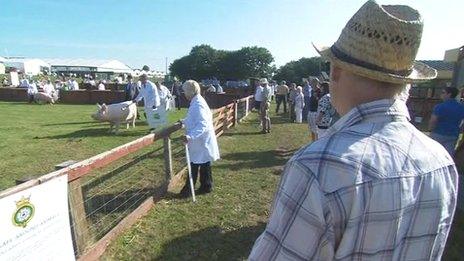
[{"x": 23, "y": 213}]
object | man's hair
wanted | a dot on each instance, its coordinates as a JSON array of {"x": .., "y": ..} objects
[
  {"x": 453, "y": 91},
  {"x": 191, "y": 88}
]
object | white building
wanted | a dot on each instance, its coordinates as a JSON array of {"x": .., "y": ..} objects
[
  {"x": 28, "y": 66},
  {"x": 88, "y": 66}
]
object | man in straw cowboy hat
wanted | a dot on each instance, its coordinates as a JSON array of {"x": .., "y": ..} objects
[{"x": 374, "y": 187}]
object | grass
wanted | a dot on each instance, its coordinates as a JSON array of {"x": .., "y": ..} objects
[{"x": 34, "y": 138}]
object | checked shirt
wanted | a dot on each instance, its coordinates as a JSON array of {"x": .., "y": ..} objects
[{"x": 375, "y": 188}]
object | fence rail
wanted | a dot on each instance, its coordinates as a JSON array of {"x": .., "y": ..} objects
[{"x": 105, "y": 199}]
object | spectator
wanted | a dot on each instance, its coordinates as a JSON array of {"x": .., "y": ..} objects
[
  {"x": 307, "y": 89},
  {"x": 48, "y": 88},
  {"x": 375, "y": 187},
  {"x": 200, "y": 137},
  {"x": 325, "y": 111},
  {"x": 101, "y": 86},
  {"x": 446, "y": 120},
  {"x": 219, "y": 88},
  {"x": 312, "y": 114},
  {"x": 165, "y": 98},
  {"x": 281, "y": 96},
  {"x": 31, "y": 90},
  {"x": 258, "y": 96},
  {"x": 132, "y": 90},
  {"x": 264, "y": 106},
  {"x": 299, "y": 104},
  {"x": 176, "y": 92},
  {"x": 291, "y": 97},
  {"x": 211, "y": 88}
]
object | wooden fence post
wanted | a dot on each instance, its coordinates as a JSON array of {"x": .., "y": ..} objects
[
  {"x": 226, "y": 115},
  {"x": 235, "y": 113},
  {"x": 78, "y": 218},
  {"x": 167, "y": 152},
  {"x": 247, "y": 101}
]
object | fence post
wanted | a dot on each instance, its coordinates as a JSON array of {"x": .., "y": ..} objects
[
  {"x": 78, "y": 218},
  {"x": 167, "y": 152},
  {"x": 235, "y": 113},
  {"x": 226, "y": 115},
  {"x": 247, "y": 101}
]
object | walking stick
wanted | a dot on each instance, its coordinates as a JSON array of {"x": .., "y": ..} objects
[{"x": 192, "y": 189}]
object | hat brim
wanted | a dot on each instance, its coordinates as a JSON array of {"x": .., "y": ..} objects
[{"x": 419, "y": 73}]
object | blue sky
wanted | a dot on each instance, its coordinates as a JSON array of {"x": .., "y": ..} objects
[{"x": 145, "y": 32}]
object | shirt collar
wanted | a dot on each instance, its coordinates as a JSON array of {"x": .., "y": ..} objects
[{"x": 377, "y": 111}]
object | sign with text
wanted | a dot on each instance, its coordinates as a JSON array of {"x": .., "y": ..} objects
[{"x": 34, "y": 223}]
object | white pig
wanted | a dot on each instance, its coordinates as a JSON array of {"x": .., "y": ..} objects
[
  {"x": 45, "y": 97},
  {"x": 115, "y": 114}
]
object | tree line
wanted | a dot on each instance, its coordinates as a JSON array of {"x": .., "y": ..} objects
[{"x": 204, "y": 62}]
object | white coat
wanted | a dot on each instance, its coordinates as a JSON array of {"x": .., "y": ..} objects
[
  {"x": 202, "y": 142},
  {"x": 49, "y": 89},
  {"x": 149, "y": 94}
]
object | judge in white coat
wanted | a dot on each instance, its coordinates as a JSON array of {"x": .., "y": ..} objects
[
  {"x": 151, "y": 100},
  {"x": 165, "y": 98},
  {"x": 200, "y": 137},
  {"x": 31, "y": 90}
]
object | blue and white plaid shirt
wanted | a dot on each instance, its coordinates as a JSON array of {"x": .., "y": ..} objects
[{"x": 375, "y": 188}]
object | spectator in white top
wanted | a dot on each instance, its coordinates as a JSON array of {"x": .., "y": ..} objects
[
  {"x": 101, "y": 86},
  {"x": 258, "y": 96},
  {"x": 75, "y": 85},
  {"x": 200, "y": 137},
  {"x": 219, "y": 89},
  {"x": 211, "y": 88},
  {"x": 31, "y": 90}
]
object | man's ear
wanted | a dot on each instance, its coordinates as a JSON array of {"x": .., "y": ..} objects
[{"x": 335, "y": 73}]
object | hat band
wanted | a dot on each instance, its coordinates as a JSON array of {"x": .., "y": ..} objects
[{"x": 349, "y": 59}]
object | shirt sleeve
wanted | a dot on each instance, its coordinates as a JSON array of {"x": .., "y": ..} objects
[
  {"x": 437, "y": 110},
  {"x": 298, "y": 228}
]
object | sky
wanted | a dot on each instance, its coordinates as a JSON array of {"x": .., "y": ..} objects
[{"x": 149, "y": 32}]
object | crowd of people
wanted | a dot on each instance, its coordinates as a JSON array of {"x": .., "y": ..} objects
[{"x": 311, "y": 104}]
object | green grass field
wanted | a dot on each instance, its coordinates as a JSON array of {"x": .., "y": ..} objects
[{"x": 34, "y": 138}]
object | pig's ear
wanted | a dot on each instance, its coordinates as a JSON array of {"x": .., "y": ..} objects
[{"x": 99, "y": 106}]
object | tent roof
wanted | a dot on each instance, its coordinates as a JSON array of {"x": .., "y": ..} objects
[{"x": 101, "y": 65}]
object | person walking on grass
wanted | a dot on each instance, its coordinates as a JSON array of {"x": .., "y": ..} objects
[
  {"x": 281, "y": 96},
  {"x": 375, "y": 187},
  {"x": 447, "y": 119},
  {"x": 264, "y": 106},
  {"x": 151, "y": 101},
  {"x": 291, "y": 98},
  {"x": 299, "y": 104},
  {"x": 200, "y": 138},
  {"x": 312, "y": 114}
]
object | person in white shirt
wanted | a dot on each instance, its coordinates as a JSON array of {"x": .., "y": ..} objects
[
  {"x": 219, "y": 89},
  {"x": 299, "y": 104},
  {"x": 165, "y": 98},
  {"x": 211, "y": 88},
  {"x": 200, "y": 137},
  {"x": 151, "y": 100},
  {"x": 258, "y": 96},
  {"x": 48, "y": 88},
  {"x": 101, "y": 86},
  {"x": 31, "y": 90},
  {"x": 75, "y": 85}
]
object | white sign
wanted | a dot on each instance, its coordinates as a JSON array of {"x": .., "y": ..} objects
[{"x": 34, "y": 223}]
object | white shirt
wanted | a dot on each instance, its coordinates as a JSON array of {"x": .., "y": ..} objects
[
  {"x": 74, "y": 85},
  {"x": 219, "y": 89},
  {"x": 211, "y": 89},
  {"x": 48, "y": 88},
  {"x": 259, "y": 93},
  {"x": 149, "y": 94},
  {"x": 32, "y": 89},
  {"x": 165, "y": 96},
  {"x": 101, "y": 87},
  {"x": 200, "y": 133}
]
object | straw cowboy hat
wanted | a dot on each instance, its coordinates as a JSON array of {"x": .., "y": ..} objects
[
  {"x": 381, "y": 43},
  {"x": 263, "y": 81}
]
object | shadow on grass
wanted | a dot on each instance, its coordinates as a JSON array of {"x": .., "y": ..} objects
[
  {"x": 212, "y": 244},
  {"x": 70, "y": 123},
  {"x": 256, "y": 159},
  {"x": 96, "y": 132}
]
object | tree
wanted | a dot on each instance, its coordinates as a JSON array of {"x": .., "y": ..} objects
[
  {"x": 205, "y": 62},
  {"x": 294, "y": 71}
]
